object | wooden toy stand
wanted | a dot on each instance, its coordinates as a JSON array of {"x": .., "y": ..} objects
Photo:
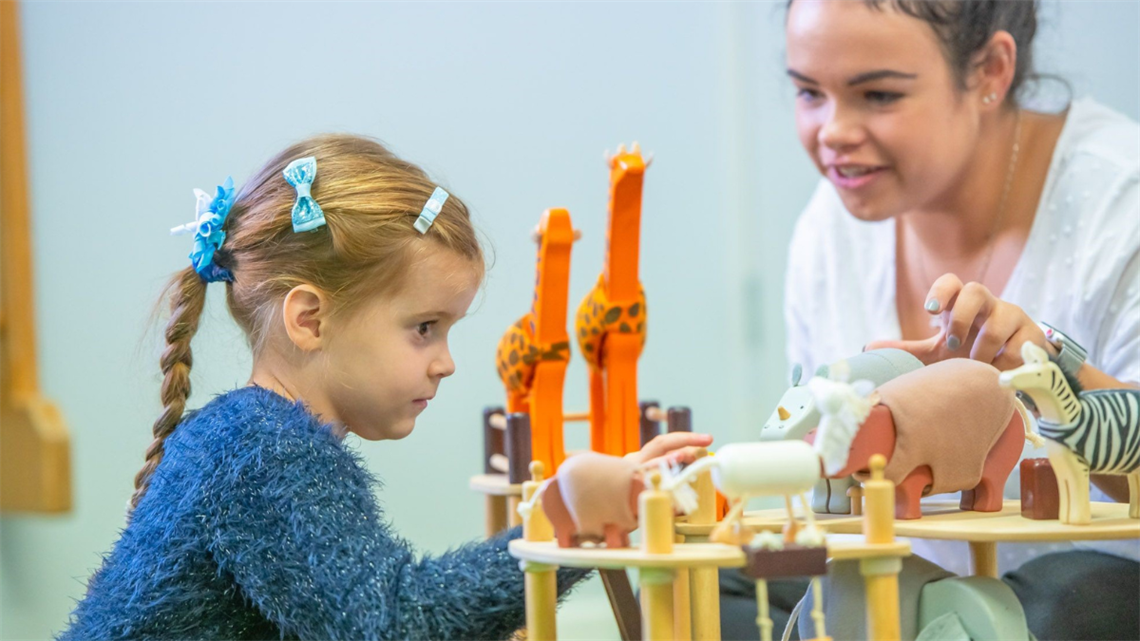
[
  {"x": 662, "y": 564},
  {"x": 35, "y": 447},
  {"x": 982, "y": 530}
]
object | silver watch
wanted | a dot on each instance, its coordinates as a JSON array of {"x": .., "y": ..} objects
[{"x": 1070, "y": 355}]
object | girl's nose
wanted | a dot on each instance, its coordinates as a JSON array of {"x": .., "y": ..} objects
[{"x": 443, "y": 366}]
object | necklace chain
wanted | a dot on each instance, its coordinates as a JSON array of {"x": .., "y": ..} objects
[{"x": 1000, "y": 210}]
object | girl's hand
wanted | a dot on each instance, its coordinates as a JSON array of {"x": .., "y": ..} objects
[
  {"x": 975, "y": 323},
  {"x": 674, "y": 447}
]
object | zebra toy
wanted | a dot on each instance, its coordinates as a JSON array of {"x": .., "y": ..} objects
[{"x": 1097, "y": 431}]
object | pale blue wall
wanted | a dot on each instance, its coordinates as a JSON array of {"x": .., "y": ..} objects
[{"x": 130, "y": 105}]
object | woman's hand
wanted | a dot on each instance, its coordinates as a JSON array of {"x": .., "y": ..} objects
[
  {"x": 975, "y": 323},
  {"x": 674, "y": 447}
]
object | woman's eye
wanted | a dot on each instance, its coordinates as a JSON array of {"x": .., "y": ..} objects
[
  {"x": 808, "y": 95},
  {"x": 882, "y": 97}
]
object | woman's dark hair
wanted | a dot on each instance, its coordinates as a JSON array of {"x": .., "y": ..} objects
[{"x": 964, "y": 27}]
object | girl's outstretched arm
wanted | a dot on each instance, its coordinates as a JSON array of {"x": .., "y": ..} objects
[{"x": 298, "y": 528}]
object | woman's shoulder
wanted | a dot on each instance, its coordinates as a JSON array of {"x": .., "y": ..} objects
[{"x": 1099, "y": 139}]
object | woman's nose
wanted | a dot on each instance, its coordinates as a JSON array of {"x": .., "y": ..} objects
[{"x": 841, "y": 130}]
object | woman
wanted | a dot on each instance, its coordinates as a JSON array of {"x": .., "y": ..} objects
[{"x": 951, "y": 220}]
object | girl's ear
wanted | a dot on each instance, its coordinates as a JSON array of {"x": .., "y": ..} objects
[{"x": 305, "y": 313}]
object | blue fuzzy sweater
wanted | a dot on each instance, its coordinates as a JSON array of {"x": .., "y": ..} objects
[{"x": 260, "y": 524}]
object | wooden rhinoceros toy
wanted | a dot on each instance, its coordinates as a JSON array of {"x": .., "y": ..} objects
[
  {"x": 797, "y": 414},
  {"x": 593, "y": 498},
  {"x": 946, "y": 427}
]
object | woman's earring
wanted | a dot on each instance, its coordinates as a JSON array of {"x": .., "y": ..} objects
[{"x": 987, "y": 99}]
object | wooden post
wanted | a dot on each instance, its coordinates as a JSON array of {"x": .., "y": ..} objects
[
  {"x": 682, "y": 600},
  {"x": 649, "y": 427},
  {"x": 518, "y": 455},
  {"x": 983, "y": 558},
  {"x": 880, "y": 574},
  {"x": 680, "y": 419},
  {"x": 35, "y": 449},
  {"x": 655, "y": 515},
  {"x": 541, "y": 579},
  {"x": 705, "y": 584},
  {"x": 493, "y": 443}
]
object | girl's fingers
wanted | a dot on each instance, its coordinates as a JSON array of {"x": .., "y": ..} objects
[
  {"x": 941, "y": 295},
  {"x": 666, "y": 443}
]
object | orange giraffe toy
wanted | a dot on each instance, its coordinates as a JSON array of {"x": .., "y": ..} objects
[
  {"x": 611, "y": 320},
  {"x": 533, "y": 354}
]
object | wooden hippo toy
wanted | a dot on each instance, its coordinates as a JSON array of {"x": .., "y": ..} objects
[
  {"x": 593, "y": 498},
  {"x": 797, "y": 414},
  {"x": 946, "y": 427}
]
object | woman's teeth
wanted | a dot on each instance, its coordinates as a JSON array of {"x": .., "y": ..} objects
[{"x": 852, "y": 172}]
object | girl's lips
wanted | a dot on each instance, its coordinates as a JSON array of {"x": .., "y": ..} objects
[
  {"x": 420, "y": 403},
  {"x": 853, "y": 182}
]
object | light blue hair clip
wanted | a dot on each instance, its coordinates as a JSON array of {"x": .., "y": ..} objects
[
  {"x": 431, "y": 209},
  {"x": 307, "y": 214},
  {"x": 209, "y": 217}
]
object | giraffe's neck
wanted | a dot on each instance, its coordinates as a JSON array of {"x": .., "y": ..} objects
[{"x": 1058, "y": 405}]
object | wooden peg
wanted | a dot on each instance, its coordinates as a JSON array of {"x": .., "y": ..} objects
[
  {"x": 855, "y": 493},
  {"x": 879, "y": 504},
  {"x": 536, "y": 526}
]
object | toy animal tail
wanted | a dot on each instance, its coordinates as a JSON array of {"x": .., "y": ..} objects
[{"x": 1026, "y": 421}]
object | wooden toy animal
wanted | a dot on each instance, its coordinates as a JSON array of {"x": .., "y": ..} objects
[
  {"x": 593, "y": 498},
  {"x": 533, "y": 353},
  {"x": 611, "y": 323},
  {"x": 943, "y": 428},
  {"x": 1094, "y": 431},
  {"x": 744, "y": 470},
  {"x": 797, "y": 414}
]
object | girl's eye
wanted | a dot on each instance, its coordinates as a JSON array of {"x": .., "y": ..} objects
[
  {"x": 882, "y": 97},
  {"x": 423, "y": 328}
]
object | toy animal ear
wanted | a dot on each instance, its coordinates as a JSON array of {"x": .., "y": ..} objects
[
  {"x": 797, "y": 374},
  {"x": 1031, "y": 353},
  {"x": 822, "y": 371}
]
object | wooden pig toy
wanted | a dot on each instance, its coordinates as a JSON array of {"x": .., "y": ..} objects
[
  {"x": 593, "y": 498},
  {"x": 797, "y": 414},
  {"x": 946, "y": 427}
]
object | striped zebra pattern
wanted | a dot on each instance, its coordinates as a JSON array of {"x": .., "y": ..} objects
[{"x": 1106, "y": 431}]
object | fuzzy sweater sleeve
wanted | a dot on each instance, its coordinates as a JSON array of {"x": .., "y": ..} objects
[{"x": 298, "y": 528}]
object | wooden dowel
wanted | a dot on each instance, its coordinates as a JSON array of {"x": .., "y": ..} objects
[{"x": 499, "y": 421}]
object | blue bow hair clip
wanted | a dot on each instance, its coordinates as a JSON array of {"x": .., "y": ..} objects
[
  {"x": 209, "y": 217},
  {"x": 431, "y": 209},
  {"x": 307, "y": 214}
]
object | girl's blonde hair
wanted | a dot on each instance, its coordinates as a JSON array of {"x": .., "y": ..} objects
[{"x": 370, "y": 199}]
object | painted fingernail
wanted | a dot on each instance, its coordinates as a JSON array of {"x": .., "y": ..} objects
[
  {"x": 953, "y": 343},
  {"x": 932, "y": 305}
]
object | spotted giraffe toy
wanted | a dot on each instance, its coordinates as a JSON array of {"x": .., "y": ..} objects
[{"x": 611, "y": 321}]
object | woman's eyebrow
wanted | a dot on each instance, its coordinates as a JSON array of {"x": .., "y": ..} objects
[
  {"x": 861, "y": 78},
  {"x": 878, "y": 75}
]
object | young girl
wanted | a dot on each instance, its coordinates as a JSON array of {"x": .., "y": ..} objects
[{"x": 347, "y": 268}]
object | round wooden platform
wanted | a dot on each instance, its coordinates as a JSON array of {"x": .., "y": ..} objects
[{"x": 943, "y": 520}]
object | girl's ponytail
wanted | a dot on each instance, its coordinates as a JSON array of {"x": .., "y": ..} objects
[{"x": 187, "y": 292}]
